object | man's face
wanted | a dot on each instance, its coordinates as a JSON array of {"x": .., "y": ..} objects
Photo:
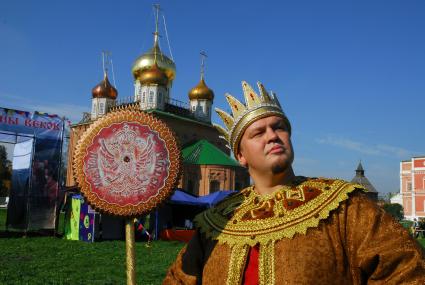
[{"x": 266, "y": 146}]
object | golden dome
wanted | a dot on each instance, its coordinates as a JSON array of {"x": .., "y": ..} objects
[
  {"x": 146, "y": 61},
  {"x": 201, "y": 91},
  {"x": 153, "y": 75},
  {"x": 104, "y": 89}
]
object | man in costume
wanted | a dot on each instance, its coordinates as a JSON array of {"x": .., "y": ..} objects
[{"x": 287, "y": 229}]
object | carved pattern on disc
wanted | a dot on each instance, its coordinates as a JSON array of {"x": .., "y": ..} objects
[{"x": 126, "y": 163}]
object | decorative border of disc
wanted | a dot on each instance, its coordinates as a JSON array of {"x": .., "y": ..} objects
[{"x": 164, "y": 132}]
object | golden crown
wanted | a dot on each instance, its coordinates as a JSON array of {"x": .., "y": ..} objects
[{"x": 256, "y": 107}]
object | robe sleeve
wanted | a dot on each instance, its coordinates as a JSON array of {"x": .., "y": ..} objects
[
  {"x": 188, "y": 267},
  {"x": 379, "y": 249}
]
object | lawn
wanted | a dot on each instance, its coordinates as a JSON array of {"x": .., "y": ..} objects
[{"x": 52, "y": 260}]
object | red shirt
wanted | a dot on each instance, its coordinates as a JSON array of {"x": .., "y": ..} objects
[{"x": 250, "y": 276}]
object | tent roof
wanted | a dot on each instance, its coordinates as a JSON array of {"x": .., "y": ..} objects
[
  {"x": 203, "y": 152},
  {"x": 185, "y": 198},
  {"x": 182, "y": 197},
  {"x": 215, "y": 197}
]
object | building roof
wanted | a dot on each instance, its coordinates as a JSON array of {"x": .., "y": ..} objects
[
  {"x": 104, "y": 89},
  {"x": 365, "y": 182},
  {"x": 360, "y": 167},
  {"x": 154, "y": 55},
  {"x": 203, "y": 152},
  {"x": 201, "y": 91},
  {"x": 152, "y": 75},
  {"x": 361, "y": 179}
]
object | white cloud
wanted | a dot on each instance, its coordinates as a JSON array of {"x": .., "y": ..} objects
[
  {"x": 70, "y": 111},
  {"x": 398, "y": 151},
  {"x": 377, "y": 149}
]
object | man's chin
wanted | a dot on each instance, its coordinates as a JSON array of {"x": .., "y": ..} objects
[
  {"x": 278, "y": 169},
  {"x": 280, "y": 165}
]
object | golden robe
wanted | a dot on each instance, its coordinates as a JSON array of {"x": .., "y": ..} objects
[{"x": 316, "y": 231}]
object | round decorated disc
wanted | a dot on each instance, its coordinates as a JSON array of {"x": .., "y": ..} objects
[{"x": 127, "y": 163}]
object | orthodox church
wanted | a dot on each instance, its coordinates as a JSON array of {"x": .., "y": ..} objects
[{"x": 207, "y": 166}]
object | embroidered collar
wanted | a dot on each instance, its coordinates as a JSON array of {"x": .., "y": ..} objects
[{"x": 248, "y": 218}]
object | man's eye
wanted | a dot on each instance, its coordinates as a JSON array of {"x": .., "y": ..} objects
[{"x": 281, "y": 127}]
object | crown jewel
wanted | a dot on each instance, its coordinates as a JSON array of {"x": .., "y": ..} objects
[{"x": 256, "y": 107}]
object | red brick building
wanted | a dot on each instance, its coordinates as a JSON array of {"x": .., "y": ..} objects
[{"x": 412, "y": 187}]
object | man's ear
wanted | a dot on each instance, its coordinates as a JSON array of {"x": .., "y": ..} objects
[{"x": 241, "y": 159}]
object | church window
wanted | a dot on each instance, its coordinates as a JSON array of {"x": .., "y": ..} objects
[
  {"x": 151, "y": 96},
  {"x": 102, "y": 108},
  {"x": 190, "y": 186},
  {"x": 214, "y": 186},
  {"x": 193, "y": 108},
  {"x": 143, "y": 97},
  {"x": 409, "y": 186}
]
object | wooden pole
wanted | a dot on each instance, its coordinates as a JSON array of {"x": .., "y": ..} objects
[{"x": 129, "y": 250}]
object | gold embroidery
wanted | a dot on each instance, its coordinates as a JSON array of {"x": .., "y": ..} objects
[
  {"x": 238, "y": 257},
  {"x": 283, "y": 223},
  {"x": 296, "y": 194},
  {"x": 263, "y": 210},
  {"x": 266, "y": 264}
]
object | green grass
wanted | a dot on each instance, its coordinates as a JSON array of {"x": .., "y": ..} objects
[
  {"x": 52, "y": 260},
  {"x": 421, "y": 242},
  {"x": 406, "y": 224}
]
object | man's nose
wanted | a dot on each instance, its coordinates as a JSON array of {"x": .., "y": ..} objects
[{"x": 271, "y": 135}]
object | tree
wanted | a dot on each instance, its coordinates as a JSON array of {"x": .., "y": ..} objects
[
  {"x": 395, "y": 210},
  {"x": 5, "y": 172}
]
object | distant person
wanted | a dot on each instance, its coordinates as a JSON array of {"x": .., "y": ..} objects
[
  {"x": 188, "y": 224},
  {"x": 415, "y": 228},
  {"x": 38, "y": 178},
  {"x": 51, "y": 185},
  {"x": 140, "y": 229},
  {"x": 288, "y": 229}
]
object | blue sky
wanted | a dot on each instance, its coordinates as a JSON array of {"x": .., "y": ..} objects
[{"x": 349, "y": 74}]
